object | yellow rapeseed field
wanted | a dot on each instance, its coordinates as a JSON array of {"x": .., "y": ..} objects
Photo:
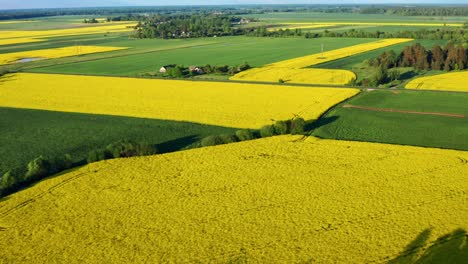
[
  {"x": 275, "y": 200},
  {"x": 453, "y": 81},
  {"x": 302, "y": 25},
  {"x": 17, "y": 37},
  {"x": 18, "y": 41},
  {"x": 225, "y": 104},
  {"x": 7, "y": 58},
  {"x": 66, "y": 32},
  {"x": 16, "y": 21},
  {"x": 287, "y": 70}
]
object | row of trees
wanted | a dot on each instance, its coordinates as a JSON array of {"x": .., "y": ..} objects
[
  {"x": 180, "y": 71},
  {"x": 448, "y": 58},
  {"x": 42, "y": 167},
  {"x": 458, "y": 35},
  {"x": 417, "y": 10},
  {"x": 190, "y": 26}
]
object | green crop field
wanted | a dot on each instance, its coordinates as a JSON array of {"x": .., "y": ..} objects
[
  {"x": 356, "y": 63},
  {"x": 400, "y": 128},
  {"x": 351, "y": 62},
  {"x": 283, "y": 17},
  {"x": 221, "y": 51},
  {"x": 27, "y": 134}
]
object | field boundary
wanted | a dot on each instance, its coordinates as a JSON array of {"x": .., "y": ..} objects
[{"x": 391, "y": 110}]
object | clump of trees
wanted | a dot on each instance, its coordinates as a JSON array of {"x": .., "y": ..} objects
[
  {"x": 293, "y": 126},
  {"x": 448, "y": 58},
  {"x": 91, "y": 21},
  {"x": 190, "y": 26},
  {"x": 36, "y": 169},
  {"x": 181, "y": 71},
  {"x": 42, "y": 166},
  {"x": 121, "y": 149}
]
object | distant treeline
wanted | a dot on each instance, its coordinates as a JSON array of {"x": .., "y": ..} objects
[
  {"x": 239, "y": 10},
  {"x": 190, "y": 26},
  {"x": 417, "y": 10},
  {"x": 458, "y": 35},
  {"x": 448, "y": 58}
]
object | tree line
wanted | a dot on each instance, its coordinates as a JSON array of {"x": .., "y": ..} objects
[
  {"x": 190, "y": 26},
  {"x": 417, "y": 10},
  {"x": 457, "y": 35},
  {"x": 448, "y": 58}
]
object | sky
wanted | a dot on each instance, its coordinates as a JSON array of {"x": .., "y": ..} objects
[{"x": 14, "y": 4}]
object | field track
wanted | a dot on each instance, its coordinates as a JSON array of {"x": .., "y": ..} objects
[{"x": 403, "y": 111}]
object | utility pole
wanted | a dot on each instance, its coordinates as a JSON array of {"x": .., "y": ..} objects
[{"x": 322, "y": 51}]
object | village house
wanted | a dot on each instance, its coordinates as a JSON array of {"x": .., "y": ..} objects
[
  {"x": 195, "y": 69},
  {"x": 164, "y": 68}
]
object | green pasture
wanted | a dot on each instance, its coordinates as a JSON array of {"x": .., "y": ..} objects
[{"x": 400, "y": 128}]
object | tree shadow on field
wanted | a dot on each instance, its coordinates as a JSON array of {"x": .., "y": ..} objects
[
  {"x": 450, "y": 248},
  {"x": 314, "y": 124},
  {"x": 407, "y": 75},
  {"x": 176, "y": 144}
]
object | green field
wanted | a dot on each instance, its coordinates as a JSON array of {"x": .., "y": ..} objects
[
  {"x": 304, "y": 17},
  {"x": 400, "y": 128},
  {"x": 27, "y": 134},
  {"x": 221, "y": 51}
]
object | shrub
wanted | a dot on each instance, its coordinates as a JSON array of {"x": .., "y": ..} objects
[
  {"x": 211, "y": 141},
  {"x": 281, "y": 127},
  {"x": 38, "y": 168},
  {"x": 245, "y": 134},
  {"x": 97, "y": 155},
  {"x": 281, "y": 81},
  {"x": 144, "y": 149},
  {"x": 7, "y": 181},
  {"x": 59, "y": 164},
  {"x": 228, "y": 138},
  {"x": 297, "y": 125},
  {"x": 267, "y": 131}
]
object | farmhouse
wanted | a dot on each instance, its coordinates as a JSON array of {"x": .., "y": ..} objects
[
  {"x": 195, "y": 69},
  {"x": 164, "y": 68}
]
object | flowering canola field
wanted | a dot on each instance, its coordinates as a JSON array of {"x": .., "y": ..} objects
[
  {"x": 17, "y": 36},
  {"x": 276, "y": 200},
  {"x": 298, "y": 25},
  {"x": 287, "y": 70},
  {"x": 7, "y": 58},
  {"x": 224, "y": 104},
  {"x": 453, "y": 81}
]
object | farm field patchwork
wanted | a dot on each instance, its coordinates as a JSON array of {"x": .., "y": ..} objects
[
  {"x": 20, "y": 35},
  {"x": 8, "y": 58},
  {"x": 453, "y": 81},
  {"x": 217, "y": 51},
  {"x": 215, "y": 103},
  {"x": 273, "y": 72},
  {"x": 299, "y": 25},
  {"x": 429, "y": 119},
  {"x": 346, "y": 202},
  {"x": 27, "y": 134},
  {"x": 18, "y": 41}
]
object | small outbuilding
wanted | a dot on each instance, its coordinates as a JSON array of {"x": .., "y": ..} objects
[{"x": 195, "y": 69}]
